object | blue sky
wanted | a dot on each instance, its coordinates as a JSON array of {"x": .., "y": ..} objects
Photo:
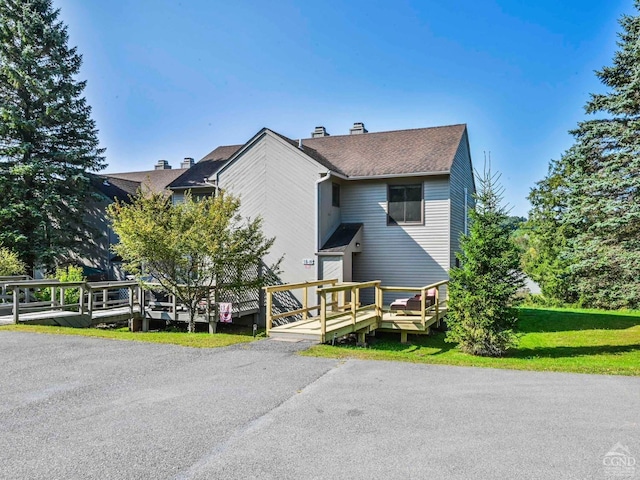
[{"x": 173, "y": 79}]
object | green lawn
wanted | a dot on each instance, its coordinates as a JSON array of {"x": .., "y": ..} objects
[
  {"x": 561, "y": 340},
  {"x": 197, "y": 340}
]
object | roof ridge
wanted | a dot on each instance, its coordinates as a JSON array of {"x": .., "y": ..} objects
[
  {"x": 388, "y": 131},
  {"x": 143, "y": 171}
]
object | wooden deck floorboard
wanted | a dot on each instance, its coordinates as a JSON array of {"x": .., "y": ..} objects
[{"x": 391, "y": 322}]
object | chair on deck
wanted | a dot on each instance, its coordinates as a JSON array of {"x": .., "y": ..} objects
[{"x": 401, "y": 305}]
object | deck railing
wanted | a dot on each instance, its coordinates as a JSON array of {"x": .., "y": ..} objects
[
  {"x": 57, "y": 301},
  {"x": 88, "y": 296},
  {"x": 289, "y": 287},
  {"x": 340, "y": 306}
]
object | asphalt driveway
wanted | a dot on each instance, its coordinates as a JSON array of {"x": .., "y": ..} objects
[{"x": 82, "y": 408}]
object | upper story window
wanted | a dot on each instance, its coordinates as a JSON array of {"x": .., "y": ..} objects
[
  {"x": 404, "y": 204},
  {"x": 335, "y": 194}
]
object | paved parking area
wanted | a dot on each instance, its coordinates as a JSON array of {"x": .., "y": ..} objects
[{"x": 82, "y": 408}]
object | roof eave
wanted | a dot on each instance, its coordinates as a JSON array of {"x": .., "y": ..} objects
[{"x": 399, "y": 175}]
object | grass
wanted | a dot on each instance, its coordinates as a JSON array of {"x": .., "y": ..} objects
[
  {"x": 196, "y": 340},
  {"x": 551, "y": 339}
]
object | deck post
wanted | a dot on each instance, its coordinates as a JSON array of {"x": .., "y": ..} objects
[
  {"x": 355, "y": 297},
  {"x": 90, "y": 302},
  {"x": 174, "y": 306},
  {"x": 62, "y": 299},
  {"x": 438, "y": 303},
  {"x": 423, "y": 306},
  {"x": 16, "y": 304},
  {"x": 131, "y": 301},
  {"x": 105, "y": 297},
  {"x": 81, "y": 301},
  {"x": 323, "y": 317},
  {"x": 54, "y": 292},
  {"x": 268, "y": 313},
  {"x": 403, "y": 336},
  {"x": 305, "y": 302}
]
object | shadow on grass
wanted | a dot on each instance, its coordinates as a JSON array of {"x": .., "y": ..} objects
[
  {"x": 539, "y": 320},
  {"x": 563, "y": 352},
  {"x": 390, "y": 342}
]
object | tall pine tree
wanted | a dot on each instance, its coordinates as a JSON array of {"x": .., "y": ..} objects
[
  {"x": 48, "y": 140},
  {"x": 599, "y": 191}
]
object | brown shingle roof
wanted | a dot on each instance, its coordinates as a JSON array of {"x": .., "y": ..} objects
[
  {"x": 210, "y": 163},
  {"x": 114, "y": 188},
  {"x": 158, "y": 180},
  {"x": 427, "y": 150},
  {"x": 222, "y": 153}
]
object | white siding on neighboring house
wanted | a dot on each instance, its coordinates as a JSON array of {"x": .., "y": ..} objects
[
  {"x": 408, "y": 255},
  {"x": 277, "y": 182},
  {"x": 461, "y": 178}
]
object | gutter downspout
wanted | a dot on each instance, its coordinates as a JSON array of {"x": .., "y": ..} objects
[{"x": 326, "y": 177}]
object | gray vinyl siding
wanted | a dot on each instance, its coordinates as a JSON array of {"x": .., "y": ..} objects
[
  {"x": 461, "y": 177},
  {"x": 329, "y": 217},
  {"x": 177, "y": 197},
  {"x": 277, "y": 182},
  {"x": 400, "y": 255},
  {"x": 331, "y": 267}
]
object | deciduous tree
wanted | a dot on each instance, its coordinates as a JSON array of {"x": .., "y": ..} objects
[{"x": 187, "y": 247}]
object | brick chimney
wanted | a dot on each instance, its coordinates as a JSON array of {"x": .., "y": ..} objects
[
  {"x": 187, "y": 162},
  {"x": 319, "y": 132},
  {"x": 358, "y": 127},
  {"x": 163, "y": 165}
]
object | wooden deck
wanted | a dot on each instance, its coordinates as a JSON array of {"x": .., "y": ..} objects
[
  {"x": 64, "y": 318},
  {"x": 94, "y": 303},
  {"x": 341, "y": 312},
  {"x": 311, "y": 328}
]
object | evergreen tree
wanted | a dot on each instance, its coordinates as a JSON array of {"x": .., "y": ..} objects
[
  {"x": 481, "y": 317},
  {"x": 546, "y": 253},
  {"x": 47, "y": 137},
  {"x": 599, "y": 195}
]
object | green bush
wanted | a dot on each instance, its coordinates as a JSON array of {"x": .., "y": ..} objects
[
  {"x": 10, "y": 264},
  {"x": 65, "y": 274}
]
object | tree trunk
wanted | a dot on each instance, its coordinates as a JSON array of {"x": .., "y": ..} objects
[{"x": 191, "y": 328}]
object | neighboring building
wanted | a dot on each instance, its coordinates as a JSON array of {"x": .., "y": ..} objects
[
  {"x": 121, "y": 186},
  {"x": 387, "y": 206}
]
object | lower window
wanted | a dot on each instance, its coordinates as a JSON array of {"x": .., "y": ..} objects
[{"x": 404, "y": 204}]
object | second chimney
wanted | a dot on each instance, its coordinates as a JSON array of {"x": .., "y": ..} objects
[
  {"x": 358, "y": 127},
  {"x": 187, "y": 162},
  {"x": 163, "y": 165},
  {"x": 319, "y": 132}
]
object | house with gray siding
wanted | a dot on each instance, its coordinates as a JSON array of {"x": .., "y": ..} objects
[{"x": 387, "y": 206}]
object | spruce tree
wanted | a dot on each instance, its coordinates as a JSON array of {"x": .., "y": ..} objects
[
  {"x": 598, "y": 211},
  {"x": 481, "y": 316},
  {"x": 48, "y": 140}
]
